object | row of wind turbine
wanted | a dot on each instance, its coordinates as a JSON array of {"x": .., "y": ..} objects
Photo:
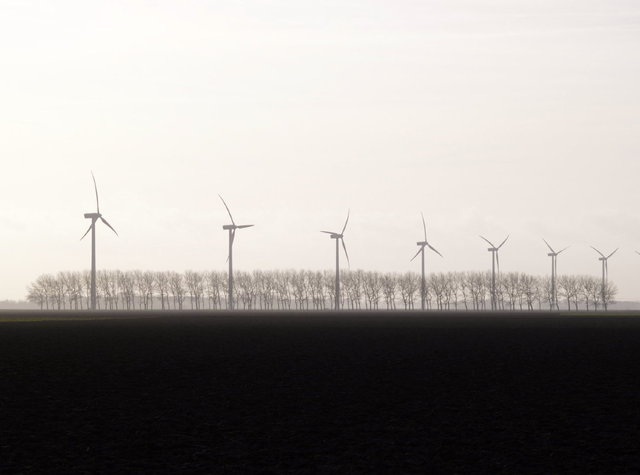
[{"x": 339, "y": 238}]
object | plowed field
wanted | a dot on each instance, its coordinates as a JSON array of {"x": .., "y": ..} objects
[{"x": 320, "y": 392}]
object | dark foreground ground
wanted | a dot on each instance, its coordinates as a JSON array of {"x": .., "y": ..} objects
[{"x": 322, "y": 392}]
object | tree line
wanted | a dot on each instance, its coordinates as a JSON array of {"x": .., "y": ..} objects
[{"x": 312, "y": 290}]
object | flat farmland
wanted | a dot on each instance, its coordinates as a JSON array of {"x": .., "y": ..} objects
[{"x": 319, "y": 392}]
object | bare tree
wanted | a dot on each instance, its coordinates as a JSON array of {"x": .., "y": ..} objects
[
  {"x": 247, "y": 290},
  {"x": 389, "y": 290},
  {"x": 300, "y": 289},
  {"x": 214, "y": 281},
  {"x": 610, "y": 293},
  {"x": 372, "y": 288},
  {"x": 329, "y": 280},
  {"x": 590, "y": 288},
  {"x": 409, "y": 283},
  {"x": 162, "y": 284},
  {"x": 127, "y": 288},
  {"x": 37, "y": 292},
  {"x": 193, "y": 283},
  {"x": 438, "y": 284},
  {"x": 176, "y": 287}
]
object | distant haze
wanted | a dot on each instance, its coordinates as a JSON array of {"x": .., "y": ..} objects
[{"x": 492, "y": 117}]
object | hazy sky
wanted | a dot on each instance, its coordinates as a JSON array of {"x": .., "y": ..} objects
[{"x": 492, "y": 117}]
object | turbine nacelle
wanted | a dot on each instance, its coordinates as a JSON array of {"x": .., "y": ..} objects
[
  {"x": 228, "y": 227},
  {"x": 92, "y": 215}
]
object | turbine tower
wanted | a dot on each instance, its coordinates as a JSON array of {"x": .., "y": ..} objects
[
  {"x": 495, "y": 260},
  {"x": 605, "y": 274},
  {"x": 92, "y": 227},
  {"x": 554, "y": 274},
  {"x": 423, "y": 244},
  {"x": 339, "y": 237},
  {"x": 232, "y": 234}
]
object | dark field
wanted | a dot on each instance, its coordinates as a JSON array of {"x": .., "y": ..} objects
[{"x": 342, "y": 393}]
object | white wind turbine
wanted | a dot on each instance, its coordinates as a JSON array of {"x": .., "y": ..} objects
[
  {"x": 339, "y": 237},
  {"x": 232, "y": 234},
  {"x": 92, "y": 227},
  {"x": 605, "y": 274},
  {"x": 423, "y": 244},
  {"x": 495, "y": 260},
  {"x": 554, "y": 274}
]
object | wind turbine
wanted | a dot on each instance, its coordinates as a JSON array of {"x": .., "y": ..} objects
[
  {"x": 554, "y": 273},
  {"x": 495, "y": 260},
  {"x": 339, "y": 237},
  {"x": 92, "y": 227},
  {"x": 605, "y": 273},
  {"x": 232, "y": 234},
  {"x": 423, "y": 244}
]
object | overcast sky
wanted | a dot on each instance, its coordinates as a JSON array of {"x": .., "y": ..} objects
[{"x": 492, "y": 117}]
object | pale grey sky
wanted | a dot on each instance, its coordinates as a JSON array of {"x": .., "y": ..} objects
[{"x": 492, "y": 117}]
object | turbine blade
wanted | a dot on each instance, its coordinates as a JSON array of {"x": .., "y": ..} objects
[
  {"x": 328, "y": 232},
  {"x": 345, "y": 223},
  {"x": 490, "y": 243},
  {"x": 563, "y": 249},
  {"x": 638, "y": 253},
  {"x": 434, "y": 250},
  {"x": 242, "y": 226},
  {"x": 424, "y": 226},
  {"x": 613, "y": 253},
  {"x": 550, "y": 248},
  {"x": 505, "y": 240},
  {"x": 233, "y": 236},
  {"x": 498, "y": 261},
  {"x": 225, "y": 205},
  {"x": 110, "y": 227},
  {"x": 90, "y": 226},
  {"x": 95, "y": 187},
  {"x": 417, "y": 253},
  {"x": 597, "y": 251},
  {"x": 345, "y": 251}
]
